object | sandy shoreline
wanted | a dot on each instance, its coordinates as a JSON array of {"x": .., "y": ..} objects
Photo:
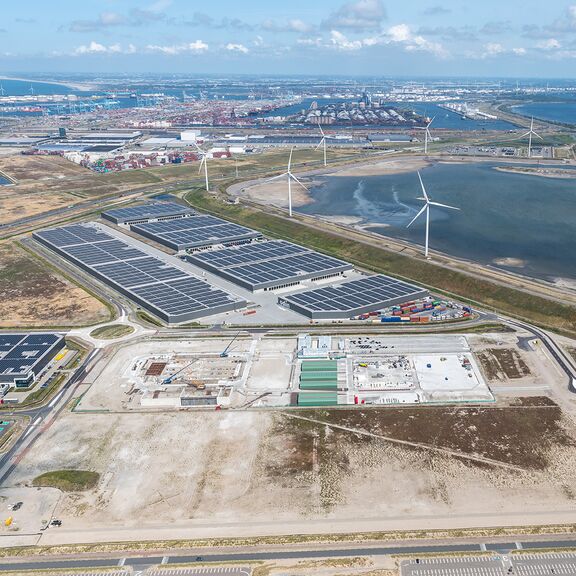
[
  {"x": 388, "y": 166},
  {"x": 558, "y": 173},
  {"x": 73, "y": 85},
  {"x": 276, "y": 192}
]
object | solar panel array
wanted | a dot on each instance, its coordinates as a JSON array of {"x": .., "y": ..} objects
[
  {"x": 146, "y": 212},
  {"x": 352, "y": 298},
  {"x": 268, "y": 264},
  {"x": 21, "y": 354},
  {"x": 171, "y": 293},
  {"x": 194, "y": 232}
]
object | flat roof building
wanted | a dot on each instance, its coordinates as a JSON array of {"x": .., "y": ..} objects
[
  {"x": 169, "y": 292},
  {"x": 269, "y": 265},
  {"x": 24, "y": 356},
  {"x": 152, "y": 211},
  {"x": 198, "y": 231},
  {"x": 352, "y": 298}
]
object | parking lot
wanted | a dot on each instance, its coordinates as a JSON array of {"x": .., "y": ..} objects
[
  {"x": 217, "y": 571},
  {"x": 558, "y": 564}
]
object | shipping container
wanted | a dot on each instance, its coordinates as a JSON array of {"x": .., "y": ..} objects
[{"x": 391, "y": 319}]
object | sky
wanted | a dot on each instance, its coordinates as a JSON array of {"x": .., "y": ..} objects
[{"x": 488, "y": 38}]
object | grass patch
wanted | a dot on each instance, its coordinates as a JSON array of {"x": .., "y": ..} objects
[
  {"x": 147, "y": 318},
  {"x": 112, "y": 331},
  {"x": 68, "y": 480},
  {"x": 468, "y": 288}
]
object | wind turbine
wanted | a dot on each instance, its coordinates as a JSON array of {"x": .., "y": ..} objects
[
  {"x": 204, "y": 163},
  {"x": 427, "y": 134},
  {"x": 426, "y": 208},
  {"x": 322, "y": 142},
  {"x": 531, "y": 133},
  {"x": 289, "y": 176},
  {"x": 2, "y": 91}
]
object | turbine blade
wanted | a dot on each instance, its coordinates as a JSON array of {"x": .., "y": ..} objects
[
  {"x": 423, "y": 189},
  {"x": 319, "y": 144},
  {"x": 294, "y": 177},
  {"x": 417, "y": 215},
  {"x": 443, "y": 205},
  {"x": 321, "y": 131},
  {"x": 276, "y": 177},
  {"x": 537, "y": 135},
  {"x": 290, "y": 159}
]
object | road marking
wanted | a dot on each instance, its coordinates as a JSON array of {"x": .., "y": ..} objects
[
  {"x": 55, "y": 399},
  {"x": 165, "y": 560},
  {"x": 483, "y": 547},
  {"x": 519, "y": 545},
  {"x": 122, "y": 561}
]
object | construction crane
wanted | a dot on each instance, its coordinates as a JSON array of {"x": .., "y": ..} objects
[
  {"x": 170, "y": 378},
  {"x": 224, "y": 354}
]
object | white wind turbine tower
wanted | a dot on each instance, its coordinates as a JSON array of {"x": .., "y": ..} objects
[
  {"x": 427, "y": 135},
  {"x": 289, "y": 177},
  {"x": 322, "y": 142},
  {"x": 531, "y": 133},
  {"x": 426, "y": 208},
  {"x": 204, "y": 163}
]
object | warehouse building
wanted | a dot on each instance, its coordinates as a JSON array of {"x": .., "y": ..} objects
[
  {"x": 352, "y": 298},
  {"x": 197, "y": 231},
  {"x": 150, "y": 212},
  {"x": 270, "y": 265},
  {"x": 24, "y": 356},
  {"x": 169, "y": 292}
]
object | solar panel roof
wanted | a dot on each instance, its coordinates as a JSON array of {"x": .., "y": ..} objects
[
  {"x": 167, "y": 290},
  {"x": 147, "y": 211},
  {"x": 266, "y": 264},
  {"x": 194, "y": 232},
  {"x": 346, "y": 299},
  {"x": 20, "y": 353}
]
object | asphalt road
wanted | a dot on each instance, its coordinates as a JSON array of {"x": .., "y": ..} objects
[{"x": 287, "y": 554}]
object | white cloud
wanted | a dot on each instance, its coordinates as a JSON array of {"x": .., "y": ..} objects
[
  {"x": 293, "y": 25},
  {"x": 494, "y": 49},
  {"x": 196, "y": 47},
  {"x": 237, "y": 48},
  {"x": 402, "y": 34},
  {"x": 96, "y": 48},
  {"x": 550, "y": 44},
  {"x": 357, "y": 15}
]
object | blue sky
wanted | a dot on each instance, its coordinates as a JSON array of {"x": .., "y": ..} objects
[{"x": 526, "y": 38}]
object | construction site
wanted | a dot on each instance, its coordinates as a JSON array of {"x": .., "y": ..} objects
[{"x": 247, "y": 372}]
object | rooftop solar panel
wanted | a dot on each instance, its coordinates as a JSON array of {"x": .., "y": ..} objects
[
  {"x": 268, "y": 265},
  {"x": 194, "y": 232},
  {"x": 352, "y": 298},
  {"x": 171, "y": 293},
  {"x": 25, "y": 355},
  {"x": 146, "y": 212}
]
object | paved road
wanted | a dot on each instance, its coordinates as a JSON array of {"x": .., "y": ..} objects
[
  {"x": 140, "y": 563},
  {"x": 559, "y": 564}
]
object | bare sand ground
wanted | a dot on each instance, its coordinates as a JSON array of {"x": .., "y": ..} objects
[
  {"x": 35, "y": 295},
  {"x": 180, "y": 474}
]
